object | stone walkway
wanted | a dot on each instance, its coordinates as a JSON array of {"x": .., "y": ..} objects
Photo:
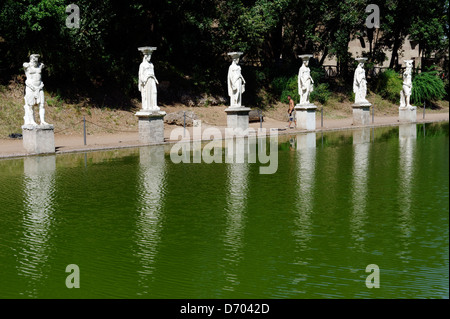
[{"x": 75, "y": 143}]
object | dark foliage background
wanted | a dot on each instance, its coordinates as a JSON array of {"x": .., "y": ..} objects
[{"x": 100, "y": 59}]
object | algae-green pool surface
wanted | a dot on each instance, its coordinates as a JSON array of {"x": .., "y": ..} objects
[{"x": 138, "y": 225}]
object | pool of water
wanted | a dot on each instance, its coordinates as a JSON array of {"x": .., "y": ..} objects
[{"x": 140, "y": 226}]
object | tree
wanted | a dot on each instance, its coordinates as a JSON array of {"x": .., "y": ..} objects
[
  {"x": 430, "y": 26},
  {"x": 193, "y": 37}
]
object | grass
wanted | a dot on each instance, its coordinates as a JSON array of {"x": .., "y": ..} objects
[
  {"x": 382, "y": 106},
  {"x": 11, "y": 111}
]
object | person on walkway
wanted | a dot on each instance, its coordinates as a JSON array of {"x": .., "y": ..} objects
[{"x": 291, "y": 113}]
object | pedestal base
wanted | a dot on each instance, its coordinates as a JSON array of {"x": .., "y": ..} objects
[
  {"x": 38, "y": 139},
  {"x": 151, "y": 126},
  {"x": 237, "y": 118},
  {"x": 407, "y": 114},
  {"x": 305, "y": 115},
  {"x": 361, "y": 114}
]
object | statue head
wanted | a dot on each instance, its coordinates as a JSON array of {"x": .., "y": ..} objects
[
  {"x": 305, "y": 58},
  {"x": 235, "y": 56},
  {"x": 147, "y": 51},
  {"x": 147, "y": 57},
  {"x": 34, "y": 58},
  {"x": 361, "y": 62},
  {"x": 408, "y": 63}
]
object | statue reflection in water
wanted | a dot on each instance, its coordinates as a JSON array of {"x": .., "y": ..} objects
[
  {"x": 306, "y": 166},
  {"x": 38, "y": 219},
  {"x": 152, "y": 183},
  {"x": 361, "y": 148},
  {"x": 407, "y": 143},
  {"x": 237, "y": 172}
]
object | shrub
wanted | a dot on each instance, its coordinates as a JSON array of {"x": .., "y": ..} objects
[
  {"x": 446, "y": 88},
  {"x": 388, "y": 85},
  {"x": 352, "y": 97},
  {"x": 278, "y": 84},
  {"x": 320, "y": 93},
  {"x": 318, "y": 74},
  {"x": 290, "y": 88},
  {"x": 427, "y": 86}
]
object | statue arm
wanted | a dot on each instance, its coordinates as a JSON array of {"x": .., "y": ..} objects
[
  {"x": 355, "y": 83},
  {"x": 154, "y": 77},
  {"x": 359, "y": 77},
  {"x": 406, "y": 82},
  {"x": 406, "y": 79},
  {"x": 363, "y": 76},
  {"x": 142, "y": 81},
  {"x": 32, "y": 88},
  {"x": 229, "y": 85},
  {"x": 304, "y": 79},
  {"x": 233, "y": 79},
  {"x": 234, "y": 75}
]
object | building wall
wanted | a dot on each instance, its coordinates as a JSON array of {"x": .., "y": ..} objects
[{"x": 408, "y": 51}]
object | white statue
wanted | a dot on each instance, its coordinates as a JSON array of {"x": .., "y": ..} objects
[
  {"x": 305, "y": 81},
  {"x": 235, "y": 81},
  {"x": 34, "y": 93},
  {"x": 148, "y": 81},
  {"x": 360, "y": 83},
  {"x": 405, "y": 93}
]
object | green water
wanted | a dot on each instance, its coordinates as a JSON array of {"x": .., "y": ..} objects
[{"x": 139, "y": 226}]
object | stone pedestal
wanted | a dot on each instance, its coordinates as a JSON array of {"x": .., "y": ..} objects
[
  {"x": 306, "y": 116},
  {"x": 237, "y": 117},
  {"x": 407, "y": 114},
  {"x": 38, "y": 139},
  {"x": 361, "y": 113},
  {"x": 151, "y": 126}
]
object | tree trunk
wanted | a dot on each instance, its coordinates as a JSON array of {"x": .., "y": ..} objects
[
  {"x": 274, "y": 43},
  {"x": 324, "y": 56},
  {"x": 370, "y": 38},
  {"x": 394, "y": 57}
]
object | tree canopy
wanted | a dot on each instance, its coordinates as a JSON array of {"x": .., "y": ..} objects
[{"x": 193, "y": 36}]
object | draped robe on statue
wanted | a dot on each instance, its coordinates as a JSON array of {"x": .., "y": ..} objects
[
  {"x": 147, "y": 86},
  {"x": 236, "y": 85}
]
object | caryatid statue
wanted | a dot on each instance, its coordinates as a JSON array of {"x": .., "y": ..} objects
[
  {"x": 360, "y": 83},
  {"x": 148, "y": 81},
  {"x": 405, "y": 93},
  {"x": 34, "y": 93},
  {"x": 235, "y": 81},
  {"x": 305, "y": 81}
]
